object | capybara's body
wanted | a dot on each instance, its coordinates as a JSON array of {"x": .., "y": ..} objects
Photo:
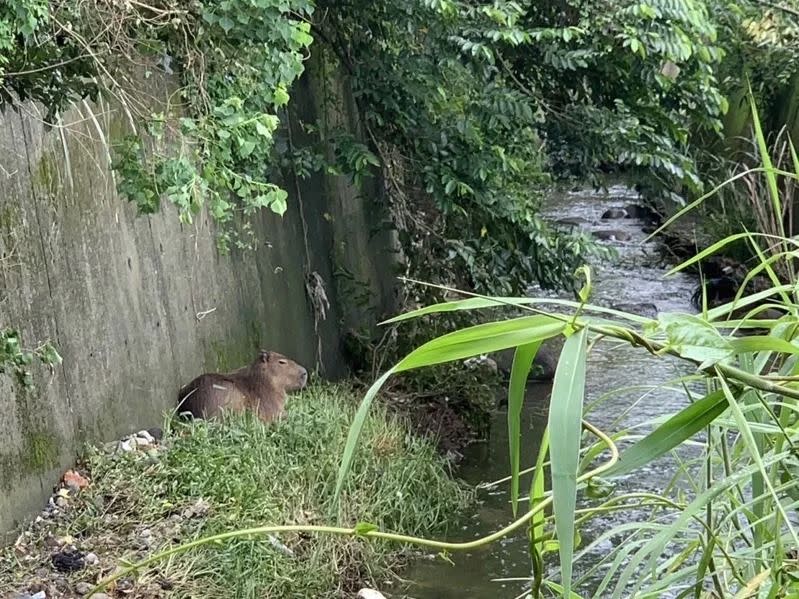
[{"x": 260, "y": 387}]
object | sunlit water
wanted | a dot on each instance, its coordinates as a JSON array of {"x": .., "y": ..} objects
[{"x": 635, "y": 277}]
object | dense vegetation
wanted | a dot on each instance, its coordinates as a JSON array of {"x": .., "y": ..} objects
[
  {"x": 207, "y": 478},
  {"x": 469, "y": 110}
]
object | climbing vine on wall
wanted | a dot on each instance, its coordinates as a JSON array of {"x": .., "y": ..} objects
[
  {"x": 15, "y": 360},
  {"x": 235, "y": 59}
]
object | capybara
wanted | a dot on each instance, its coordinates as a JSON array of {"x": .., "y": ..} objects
[{"x": 260, "y": 387}]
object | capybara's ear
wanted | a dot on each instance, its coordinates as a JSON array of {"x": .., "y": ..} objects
[{"x": 264, "y": 357}]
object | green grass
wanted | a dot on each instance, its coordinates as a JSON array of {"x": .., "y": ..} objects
[{"x": 250, "y": 474}]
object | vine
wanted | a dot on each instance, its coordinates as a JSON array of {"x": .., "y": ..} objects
[
  {"x": 16, "y": 361},
  {"x": 235, "y": 59}
]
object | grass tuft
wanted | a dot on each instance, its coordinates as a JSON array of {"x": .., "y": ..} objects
[{"x": 212, "y": 477}]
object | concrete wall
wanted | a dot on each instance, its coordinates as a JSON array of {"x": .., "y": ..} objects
[{"x": 120, "y": 295}]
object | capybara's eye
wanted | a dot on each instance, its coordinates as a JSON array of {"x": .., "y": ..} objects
[{"x": 282, "y": 362}]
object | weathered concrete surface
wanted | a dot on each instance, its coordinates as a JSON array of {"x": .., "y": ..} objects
[{"x": 139, "y": 305}]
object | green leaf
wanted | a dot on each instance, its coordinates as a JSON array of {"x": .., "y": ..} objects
[
  {"x": 694, "y": 338},
  {"x": 522, "y": 362},
  {"x": 681, "y": 426},
  {"x": 565, "y": 418},
  {"x": 482, "y": 339},
  {"x": 49, "y": 355},
  {"x": 246, "y": 147},
  {"x": 262, "y": 130},
  {"x": 281, "y": 96},
  {"x": 279, "y": 202}
]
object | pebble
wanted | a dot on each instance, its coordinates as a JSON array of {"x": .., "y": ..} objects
[
  {"x": 62, "y": 502},
  {"x": 91, "y": 559},
  {"x": 39, "y": 595},
  {"x": 83, "y": 588},
  {"x": 126, "y": 445},
  {"x": 145, "y": 435},
  {"x": 370, "y": 594},
  {"x": 142, "y": 441}
]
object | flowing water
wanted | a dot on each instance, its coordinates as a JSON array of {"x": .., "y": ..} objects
[{"x": 631, "y": 281}]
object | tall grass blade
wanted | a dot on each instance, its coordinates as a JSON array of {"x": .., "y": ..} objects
[
  {"x": 537, "y": 523},
  {"x": 565, "y": 417},
  {"x": 768, "y": 166},
  {"x": 794, "y": 157},
  {"x": 677, "y": 429},
  {"x": 653, "y": 548},
  {"x": 522, "y": 362},
  {"x": 712, "y": 249}
]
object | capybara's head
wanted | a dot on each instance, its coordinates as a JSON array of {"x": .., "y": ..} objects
[{"x": 281, "y": 371}]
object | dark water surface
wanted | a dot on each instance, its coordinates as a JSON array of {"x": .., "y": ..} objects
[{"x": 635, "y": 277}]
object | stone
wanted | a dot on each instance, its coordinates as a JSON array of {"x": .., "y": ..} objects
[
  {"x": 575, "y": 221},
  {"x": 156, "y": 433},
  {"x": 641, "y": 309},
  {"x": 641, "y": 212},
  {"x": 39, "y": 595},
  {"x": 614, "y": 213},
  {"x": 482, "y": 362},
  {"x": 126, "y": 445},
  {"x": 146, "y": 436},
  {"x": 612, "y": 235},
  {"x": 143, "y": 442},
  {"x": 83, "y": 588},
  {"x": 370, "y": 594},
  {"x": 62, "y": 502},
  {"x": 91, "y": 559},
  {"x": 68, "y": 561}
]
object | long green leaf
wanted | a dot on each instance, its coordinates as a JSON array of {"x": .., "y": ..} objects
[
  {"x": 565, "y": 417},
  {"x": 712, "y": 249},
  {"x": 726, "y": 309},
  {"x": 482, "y": 339},
  {"x": 680, "y": 427},
  {"x": 768, "y": 166},
  {"x": 522, "y": 362},
  {"x": 355, "y": 432},
  {"x": 756, "y": 343},
  {"x": 475, "y": 303}
]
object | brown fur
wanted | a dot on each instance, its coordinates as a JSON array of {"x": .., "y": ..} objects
[{"x": 260, "y": 387}]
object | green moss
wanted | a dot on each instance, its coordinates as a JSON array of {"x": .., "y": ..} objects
[
  {"x": 46, "y": 172},
  {"x": 40, "y": 452},
  {"x": 222, "y": 357},
  {"x": 10, "y": 221}
]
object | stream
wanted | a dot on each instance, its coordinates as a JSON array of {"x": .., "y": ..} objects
[{"x": 630, "y": 384}]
